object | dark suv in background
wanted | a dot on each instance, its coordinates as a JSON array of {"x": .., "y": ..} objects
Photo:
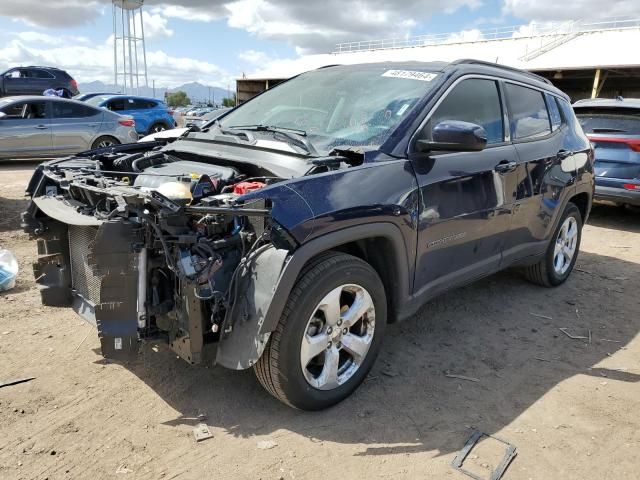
[
  {"x": 35, "y": 80},
  {"x": 286, "y": 235},
  {"x": 613, "y": 126}
]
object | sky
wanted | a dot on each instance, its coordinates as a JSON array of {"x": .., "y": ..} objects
[{"x": 216, "y": 41}]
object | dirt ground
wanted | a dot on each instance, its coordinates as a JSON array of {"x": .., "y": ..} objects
[{"x": 570, "y": 406}]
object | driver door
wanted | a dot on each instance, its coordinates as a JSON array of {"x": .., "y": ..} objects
[
  {"x": 466, "y": 197},
  {"x": 25, "y": 130}
]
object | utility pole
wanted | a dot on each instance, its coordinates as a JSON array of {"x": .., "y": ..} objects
[{"x": 154, "y": 88}]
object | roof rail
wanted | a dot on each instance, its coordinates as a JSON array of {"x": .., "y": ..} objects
[
  {"x": 41, "y": 66},
  {"x": 471, "y": 61}
]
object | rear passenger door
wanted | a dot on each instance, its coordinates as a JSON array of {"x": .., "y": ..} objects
[
  {"x": 466, "y": 197},
  {"x": 545, "y": 168},
  {"x": 141, "y": 108},
  {"x": 40, "y": 80},
  {"x": 74, "y": 126}
]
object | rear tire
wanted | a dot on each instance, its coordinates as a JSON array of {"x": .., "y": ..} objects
[
  {"x": 157, "y": 128},
  {"x": 104, "y": 142},
  {"x": 561, "y": 255},
  {"x": 312, "y": 362}
]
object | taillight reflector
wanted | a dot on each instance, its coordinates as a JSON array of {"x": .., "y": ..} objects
[
  {"x": 127, "y": 122},
  {"x": 632, "y": 143},
  {"x": 631, "y": 186}
]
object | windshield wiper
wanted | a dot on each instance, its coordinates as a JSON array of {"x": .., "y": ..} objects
[{"x": 294, "y": 136}]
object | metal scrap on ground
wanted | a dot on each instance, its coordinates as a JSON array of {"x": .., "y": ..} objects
[
  {"x": 201, "y": 432},
  {"x": 15, "y": 382},
  {"x": 509, "y": 455},
  {"x": 462, "y": 377},
  {"x": 573, "y": 337}
]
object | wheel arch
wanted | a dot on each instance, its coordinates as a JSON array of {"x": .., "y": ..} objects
[
  {"x": 271, "y": 279},
  {"x": 582, "y": 200},
  {"x": 380, "y": 244}
]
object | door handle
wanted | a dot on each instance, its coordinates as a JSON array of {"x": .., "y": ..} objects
[
  {"x": 93, "y": 124},
  {"x": 41, "y": 127},
  {"x": 505, "y": 166},
  {"x": 562, "y": 154}
]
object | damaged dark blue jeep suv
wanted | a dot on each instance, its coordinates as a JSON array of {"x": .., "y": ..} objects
[{"x": 285, "y": 235}]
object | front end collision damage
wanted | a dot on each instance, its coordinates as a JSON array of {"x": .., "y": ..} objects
[
  {"x": 124, "y": 274},
  {"x": 131, "y": 261}
]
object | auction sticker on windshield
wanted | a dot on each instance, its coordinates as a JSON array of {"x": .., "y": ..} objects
[{"x": 411, "y": 74}]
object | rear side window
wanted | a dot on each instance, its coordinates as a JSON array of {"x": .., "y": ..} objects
[
  {"x": 528, "y": 112},
  {"x": 554, "y": 112},
  {"x": 142, "y": 104},
  {"x": 41, "y": 74},
  {"x": 474, "y": 101},
  {"x": 625, "y": 121},
  {"x": 71, "y": 110}
]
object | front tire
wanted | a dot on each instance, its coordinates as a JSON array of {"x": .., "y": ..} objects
[
  {"x": 328, "y": 336},
  {"x": 561, "y": 255}
]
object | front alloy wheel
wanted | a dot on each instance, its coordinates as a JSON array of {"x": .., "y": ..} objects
[
  {"x": 329, "y": 334},
  {"x": 338, "y": 337}
]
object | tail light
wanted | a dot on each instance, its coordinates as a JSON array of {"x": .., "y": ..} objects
[
  {"x": 74, "y": 84},
  {"x": 632, "y": 143},
  {"x": 632, "y": 186},
  {"x": 170, "y": 111},
  {"x": 127, "y": 122}
]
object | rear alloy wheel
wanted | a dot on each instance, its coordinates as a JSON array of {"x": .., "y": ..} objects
[
  {"x": 157, "y": 128},
  {"x": 562, "y": 252},
  {"x": 328, "y": 336},
  {"x": 104, "y": 142}
]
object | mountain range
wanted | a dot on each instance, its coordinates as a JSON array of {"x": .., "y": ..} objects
[{"x": 197, "y": 92}]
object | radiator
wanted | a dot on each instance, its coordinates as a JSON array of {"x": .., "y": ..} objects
[{"x": 83, "y": 281}]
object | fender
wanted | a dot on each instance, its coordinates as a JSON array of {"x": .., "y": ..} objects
[{"x": 271, "y": 275}]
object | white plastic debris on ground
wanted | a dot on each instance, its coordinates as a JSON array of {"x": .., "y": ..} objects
[{"x": 8, "y": 270}]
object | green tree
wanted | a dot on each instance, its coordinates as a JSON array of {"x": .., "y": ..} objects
[
  {"x": 178, "y": 99},
  {"x": 229, "y": 101}
]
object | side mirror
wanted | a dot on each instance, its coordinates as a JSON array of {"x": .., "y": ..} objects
[{"x": 455, "y": 136}]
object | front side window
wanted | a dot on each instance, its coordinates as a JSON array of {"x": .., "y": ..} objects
[
  {"x": 528, "y": 112},
  {"x": 25, "y": 110},
  {"x": 117, "y": 105},
  {"x": 338, "y": 106},
  {"x": 473, "y": 101}
]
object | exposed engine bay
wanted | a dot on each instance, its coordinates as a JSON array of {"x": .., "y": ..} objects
[{"x": 173, "y": 228}]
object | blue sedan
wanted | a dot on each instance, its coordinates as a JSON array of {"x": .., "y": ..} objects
[{"x": 151, "y": 115}]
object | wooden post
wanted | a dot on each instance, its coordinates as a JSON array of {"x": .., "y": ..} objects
[{"x": 596, "y": 80}]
